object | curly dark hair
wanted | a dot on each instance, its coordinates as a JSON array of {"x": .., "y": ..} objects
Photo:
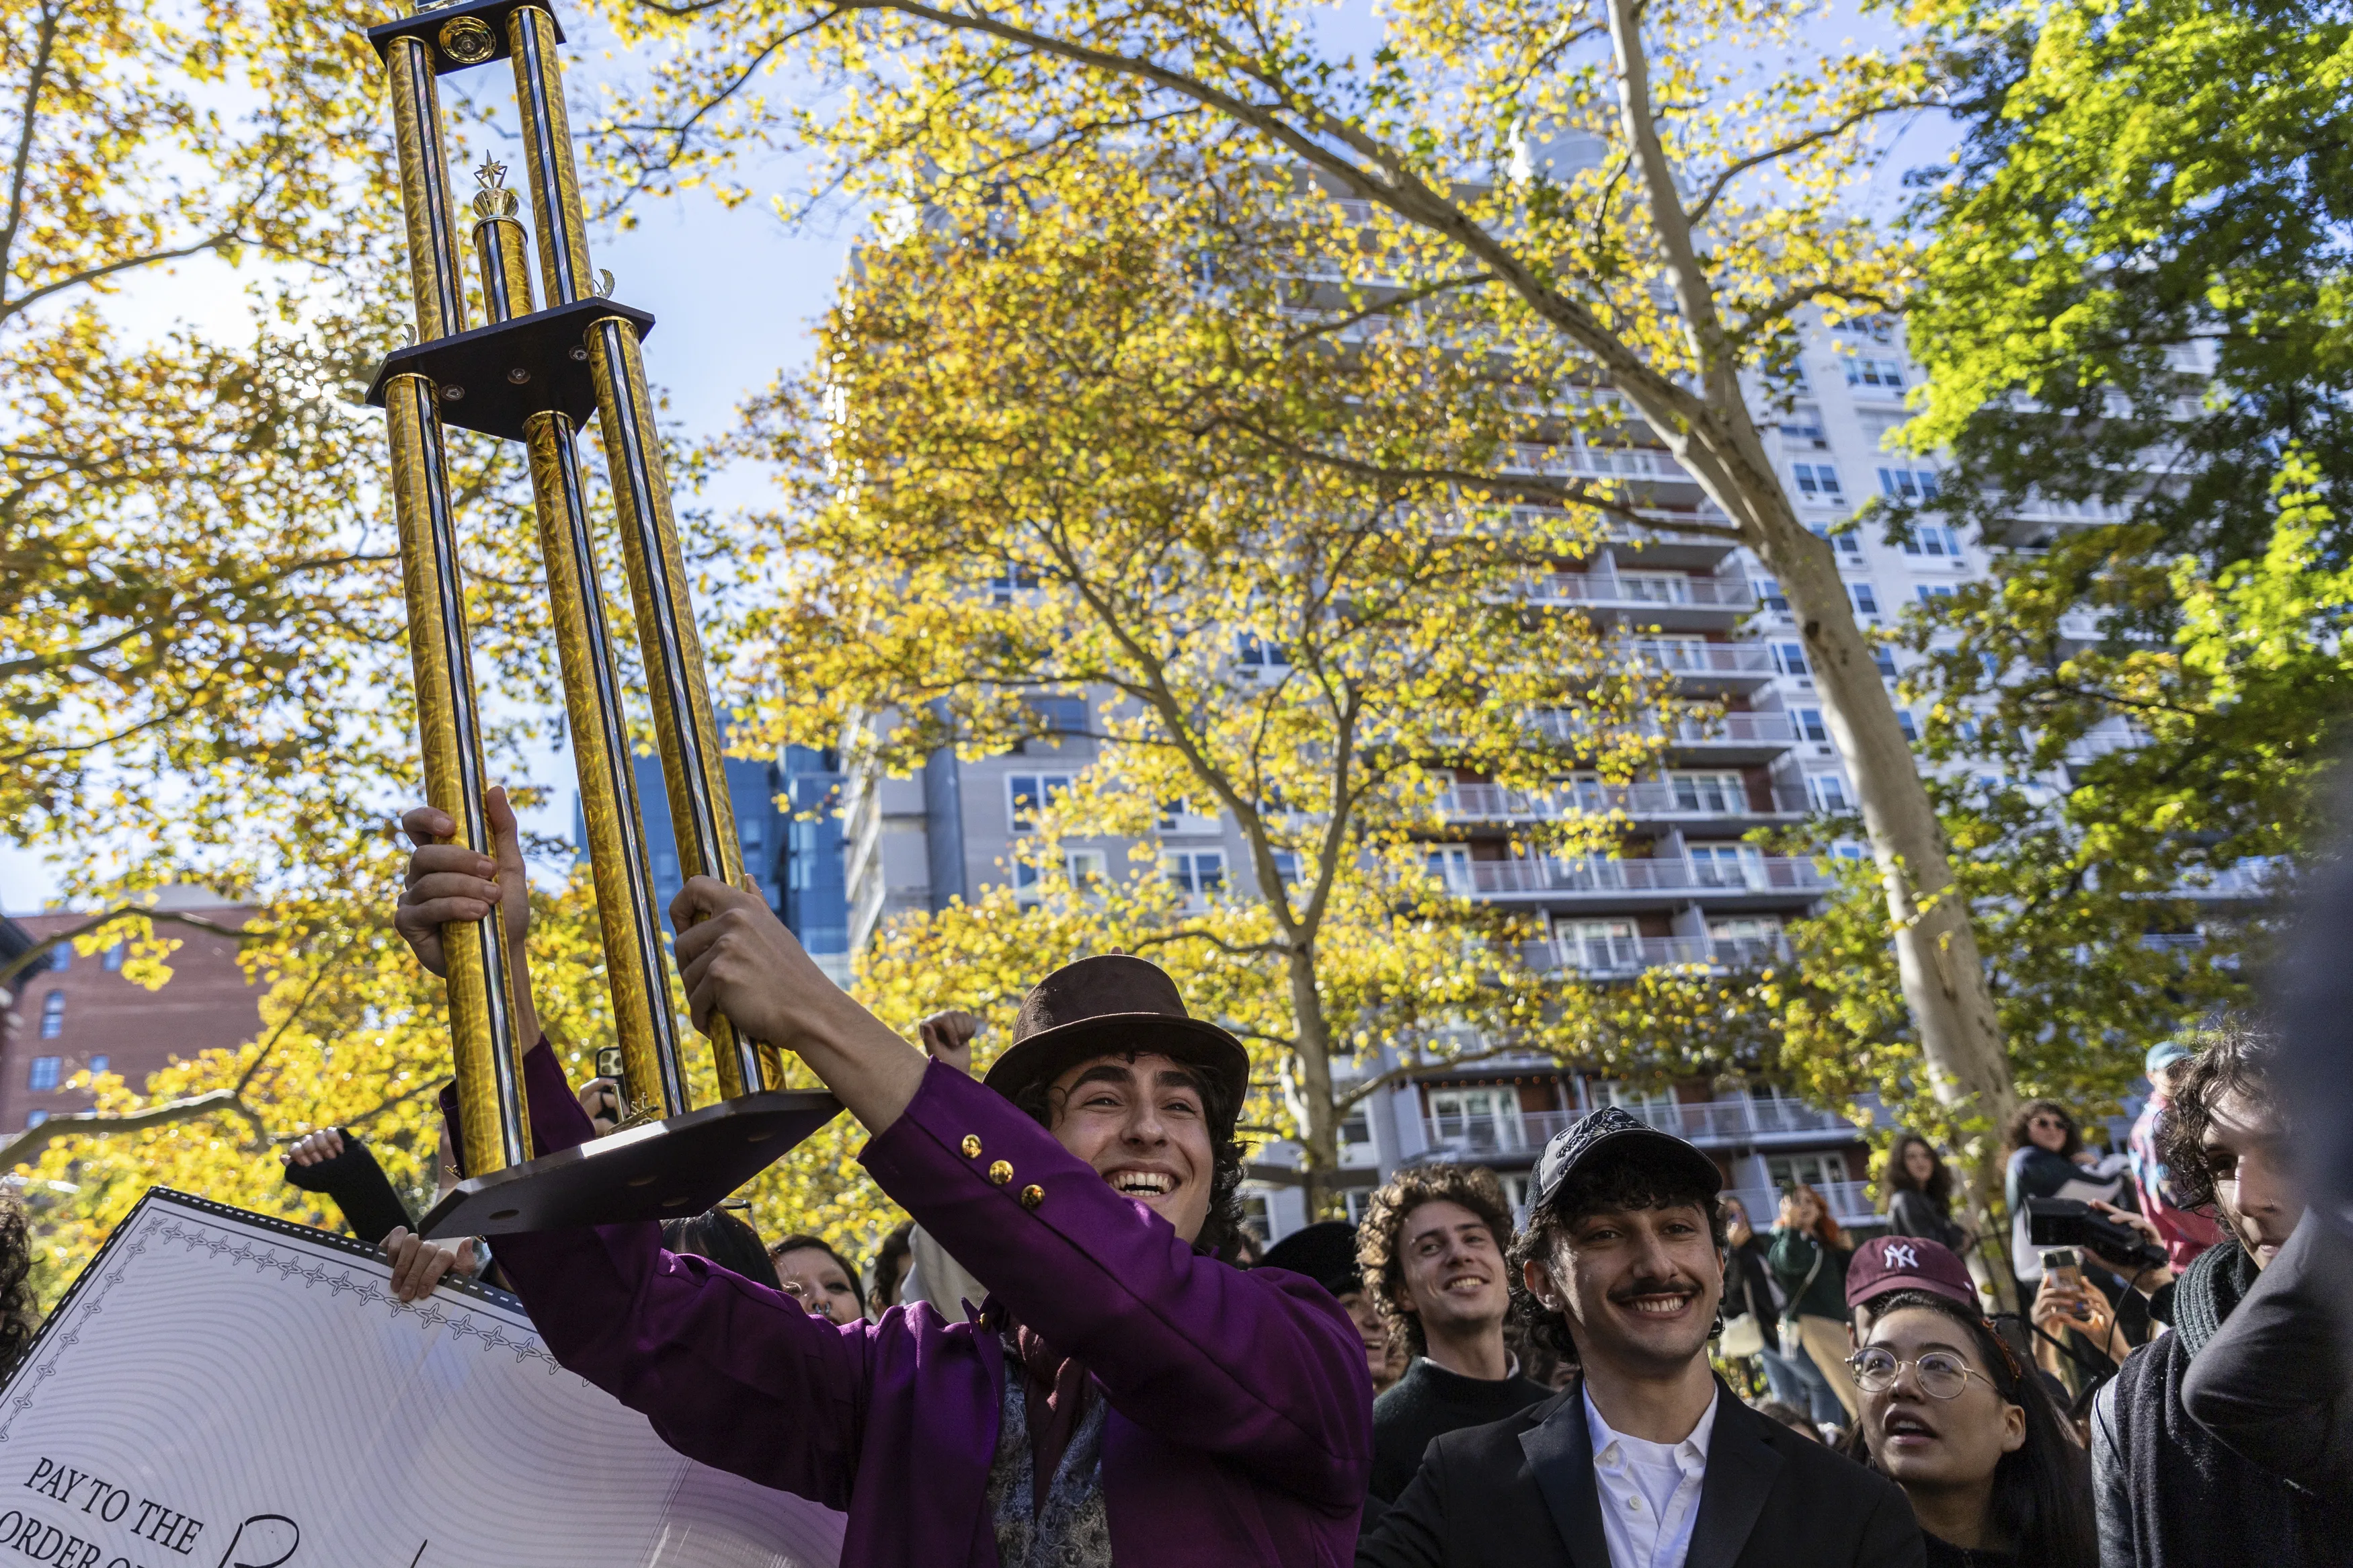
[
  {"x": 1224, "y": 1221},
  {"x": 2014, "y": 1137},
  {"x": 2042, "y": 1503},
  {"x": 1893, "y": 1177},
  {"x": 1636, "y": 1178},
  {"x": 2237, "y": 1057},
  {"x": 19, "y": 1317},
  {"x": 1380, "y": 1250}
]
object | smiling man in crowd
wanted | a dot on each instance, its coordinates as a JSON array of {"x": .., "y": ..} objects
[
  {"x": 1124, "y": 1397},
  {"x": 1432, "y": 1252},
  {"x": 1648, "y": 1460}
]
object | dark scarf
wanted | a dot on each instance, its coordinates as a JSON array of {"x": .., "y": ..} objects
[
  {"x": 2209, "y": 1290},
  {"x": 1054, "y": 1398}
]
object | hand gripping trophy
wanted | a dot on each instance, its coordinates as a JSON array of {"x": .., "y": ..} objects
[{"x": 533, "y": 376}]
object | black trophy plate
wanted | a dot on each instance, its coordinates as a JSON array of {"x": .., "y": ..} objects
[{"x": 664, "y": 1170}]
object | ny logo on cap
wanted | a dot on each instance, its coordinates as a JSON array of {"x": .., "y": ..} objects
[{"x": 1899, "y": 1255}]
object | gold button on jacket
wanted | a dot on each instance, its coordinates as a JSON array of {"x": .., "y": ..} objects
[
  {"x": 1001, "y": 1171},
  {"x": 972, "y": 1145},
  {"x": 1032, "y": 1196}
]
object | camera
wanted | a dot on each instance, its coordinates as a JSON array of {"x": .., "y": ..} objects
[{"x": 2065, "y": 1222}]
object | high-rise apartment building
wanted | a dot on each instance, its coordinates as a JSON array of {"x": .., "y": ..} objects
[{"x": 1685, "y": 887}]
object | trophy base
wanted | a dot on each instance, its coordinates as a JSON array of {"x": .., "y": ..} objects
[{"x": 665, "y": 1170}]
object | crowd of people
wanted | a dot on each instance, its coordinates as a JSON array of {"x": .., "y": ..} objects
[{"x": 1072, "y": 1356}]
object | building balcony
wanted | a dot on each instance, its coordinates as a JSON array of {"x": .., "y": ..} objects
[
  {"x": 1603, "y": 958},
  {"x": 1664, "y": 881},
  {"x": 1576, "y": 461},
  {"x": 1670, "y": 601},
  {"x": 1704, "y": 666},
  {"x": 1740, "y": 1122},
  {"x": 1720, "y": 739},
  {"x": 1703, "y": 799}
]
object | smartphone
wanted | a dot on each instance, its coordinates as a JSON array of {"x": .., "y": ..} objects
[{"x": 2065, "y": 1264}]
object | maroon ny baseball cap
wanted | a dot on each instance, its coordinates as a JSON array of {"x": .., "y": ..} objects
[{"x": 1886, "y": 1263}]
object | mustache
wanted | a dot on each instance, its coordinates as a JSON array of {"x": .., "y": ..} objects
[{"x": 1656, "y": 1285}]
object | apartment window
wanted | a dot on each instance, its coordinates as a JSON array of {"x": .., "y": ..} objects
[
  {"x": 111, "y": 959},
  {"x": 1010, "y": 580},
  {"x": 1885, "y": 662},
  {"x": 1725, "y": 865},
  {"x": 1790, "y": 659},
  {"x": 1477, "y": 1117},
  {"x": 1745, "y": 928},
  {"x": 1715, "y": 793},
  {"x": 45, "y": 1072},
  {"x": 53, "y": 1015},
  {"x": 1928, "y": 591},
  {"x": 34, "y": 1119},
  {"x": 1289, "y": 866},
  {"x": 1818, "y": 483},
  {"x": 1867, "y": 371},
  {"x": 1599, "y": 947},
  {"x": 1450, "y": 864},
  {"x": 1084, "y": 867},
  {"x": 1255, "y": 1218},
  {"x": 1933, "y": 540},
  {"x": 1863, "y": 597},
  {"x": 1808, "y": 429},
  {"x": 1827, "y": 792},
  {"x": 1029, "y": 793},
  {"x": 61, "y": 956},
  {"x": 1809, "y": 725},
  {"x": 1816, "y": 1171},
  {"x": 1845, "y": 543},
  {"x": 1769, "y": 593},
  {"x": 1060, "y": 715},
  {"x": 1200, "y": 872},
  {"x": 1908, "y": 484},
  {"x": 1254, "y": 652},
  {"x": 1903, "y": 722},
  {"x": 1357, "y": 1130},
  {"x": 97, "y": 1065}
]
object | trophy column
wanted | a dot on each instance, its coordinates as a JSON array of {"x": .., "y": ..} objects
[
  {"x": 685, "y": 729},
  {"x": 532, "y": 377},
  {"x": 653, "y": 1079},
  {"x": 487, "y": 1057}
]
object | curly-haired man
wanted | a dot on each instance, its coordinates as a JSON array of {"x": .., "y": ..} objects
[
  {"x": 1648, "y": 1461},
  {"x": 1431, "y": 1248}
]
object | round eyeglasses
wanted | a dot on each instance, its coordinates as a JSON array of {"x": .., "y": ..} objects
[{"x": 1942, "y": 1374}]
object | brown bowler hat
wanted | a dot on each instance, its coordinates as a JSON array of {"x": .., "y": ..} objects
[{"x": 1113, "y": 1003}]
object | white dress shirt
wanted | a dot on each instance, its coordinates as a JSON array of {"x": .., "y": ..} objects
[{"x": 1649, "y": 1491}]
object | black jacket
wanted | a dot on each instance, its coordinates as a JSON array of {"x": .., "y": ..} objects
[{"x": 1520, "y": 1493}]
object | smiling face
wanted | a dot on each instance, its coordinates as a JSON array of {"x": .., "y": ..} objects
[
  {"x": 1937, "y": 1445},
  {"x": 1639, "y": 1286},
  {"x": 1143, "y": 1126},
  {"x": 1453, "y": 1269},
  {"x": 2246, "y": 1157}
]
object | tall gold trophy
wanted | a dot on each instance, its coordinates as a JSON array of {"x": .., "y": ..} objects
[{"x": 533, "y": 376}]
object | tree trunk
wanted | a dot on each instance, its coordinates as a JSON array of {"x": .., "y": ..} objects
[
  {"x": 1321, "y": 1138},
  {"x": 1713, "y": 436}
]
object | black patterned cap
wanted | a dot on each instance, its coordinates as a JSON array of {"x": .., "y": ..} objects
[{"x": 1615, "y": 1129}]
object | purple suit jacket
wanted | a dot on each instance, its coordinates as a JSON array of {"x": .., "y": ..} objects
[{"x": 1239, "y": 1429}]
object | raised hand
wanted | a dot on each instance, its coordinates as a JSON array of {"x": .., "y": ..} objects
[
  {"x": 448, "y": 882},
  {"x": 320, "y": 1143},
  {"x": 947, "y": 1037}
]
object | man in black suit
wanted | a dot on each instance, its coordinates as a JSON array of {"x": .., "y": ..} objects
[{"x": 1648, "y": 1461}]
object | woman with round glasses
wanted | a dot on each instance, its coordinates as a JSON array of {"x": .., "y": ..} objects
[{"x": 1950, "y": 1416}]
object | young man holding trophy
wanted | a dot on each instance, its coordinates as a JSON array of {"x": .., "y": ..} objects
[{"x": 1122, "y": 1397}]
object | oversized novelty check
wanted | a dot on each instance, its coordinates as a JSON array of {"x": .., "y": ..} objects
[{"x": 222, "y": 1390}]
